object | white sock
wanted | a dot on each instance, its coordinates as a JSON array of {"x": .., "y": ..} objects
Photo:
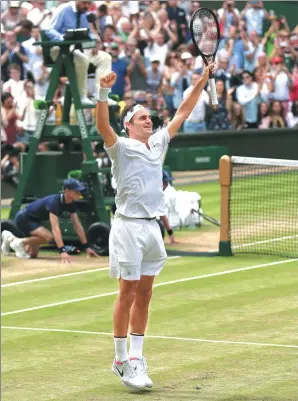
[
  {"x": 136, "y": 345},
  {"x": 121, "y": 349}
]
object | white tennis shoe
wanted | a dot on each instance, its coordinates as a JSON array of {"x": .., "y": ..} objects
[
  {"x": 18, "y": 247},
  {"x": 130, "y": 375},
  {"x": 141, "y": 366},
  {"x": 7, "y": 237}
]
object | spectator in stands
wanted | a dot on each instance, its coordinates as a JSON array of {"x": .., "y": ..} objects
[
  {"x": 109, "y": 34},
  {"x": 284, "y": 49},
  {"x": 125, "y": 29},
  {"x": 12, "y": 53},
  {"x": 282, "y": 81},
  {"x": 10, "y": 164},
  {"x": 292, "y": 116},
  {"x": 12, "y": 17},
  {"x": 158, "y": 47},
  {"x": 126, "y": 102},
  {"x": 220, "y": 115},
  {"x": 102, "y": 18},
  {"x": 9, "y": 117},
  {"x": 181, "y": 80},
  {"x": 235, "y": 50},
  {"x": 247, "y": 95},
  {"x": 150, "y": 15},
  {"x": 178, "y": 15},
  {"x": 195, "y": 123},
  {"x": 294, "y": 88},
  {"x": 222, "y": 72},
  {"x": 39, "y": 15},
  {"x": 237, "y": 117},
  {"x": 171, "y": 67},
  {"x": 154, "y": 77},
  {"x": 269, "y": 37},
  {"x": 264, "y": 119},
  {"x": 263, "y": 63},
  {"x": 25, "y": 8},
  {"x": 277, "y": 115},
  {"x": 72, "y": 16},
  {"x": 136, "y": 69},
  {"x": 228, "y": 16},
  {"x": 119, "y": 66},
  {"x": 254, "y": 14},
  {"x": 129, "y": 8},
  {"x": 265, "y": 81},
  {"x": 33, "y": 52},
  {"x": 14, "y": 86},
  {"x": 115, "y": 13},
  {"x": 24, "y": 30},
  {"x": 28, "y": 113},
  {"x": 252, "y": 48}
]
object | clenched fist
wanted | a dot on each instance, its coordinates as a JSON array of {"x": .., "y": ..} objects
[
  {"x": 209, "y": 70},
  {"x": 108, "y": 81}
]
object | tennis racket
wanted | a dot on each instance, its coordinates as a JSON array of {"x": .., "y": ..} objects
[
  {"x": 205, "y": 34},
  {"x": 207, "y": 218}
]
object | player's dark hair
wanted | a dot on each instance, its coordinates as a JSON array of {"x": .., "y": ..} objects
[{"x": 123, "y": 115}]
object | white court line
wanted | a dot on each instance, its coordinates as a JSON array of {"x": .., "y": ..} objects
[
  {"x": 260, "y": 242},
  {"x": 70, "y": 301},
  {"x": 266, "y": 241},
  {"x": 155, "y": 337},
  {"x": 54, "y": 277},
  {"x": 63, "y": 275}
]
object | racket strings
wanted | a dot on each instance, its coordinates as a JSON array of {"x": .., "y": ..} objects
[{"x": 205, "y": 32}]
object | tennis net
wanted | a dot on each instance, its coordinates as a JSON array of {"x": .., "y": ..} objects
[{"x": 263, "y": 206}]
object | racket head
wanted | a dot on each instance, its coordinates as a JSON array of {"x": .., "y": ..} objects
[{"x": 205, "y": 32}]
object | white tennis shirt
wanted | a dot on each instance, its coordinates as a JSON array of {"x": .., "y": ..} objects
[{"x": 137, "y": 171}]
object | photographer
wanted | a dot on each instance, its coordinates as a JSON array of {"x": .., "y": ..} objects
[
  {"x": 228, "y": 15},
  {"x": 10, "y": 164},
  {"x": 254, "y": 14}
]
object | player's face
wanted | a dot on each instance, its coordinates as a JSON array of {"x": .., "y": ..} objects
[
  {"x": 73, "y": 195},
  {"x": 141, "y": 127}
]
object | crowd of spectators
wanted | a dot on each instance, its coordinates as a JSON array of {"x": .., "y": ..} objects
[{"x": 156, "y": 64}]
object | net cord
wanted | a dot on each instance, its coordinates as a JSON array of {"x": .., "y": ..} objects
[{"x": 264, "y": 162}]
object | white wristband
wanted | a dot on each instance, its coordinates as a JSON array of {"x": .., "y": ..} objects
[{"x": 103, "y": 94}]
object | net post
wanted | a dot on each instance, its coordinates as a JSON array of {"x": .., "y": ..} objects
[{"x": 225, "y": 174}]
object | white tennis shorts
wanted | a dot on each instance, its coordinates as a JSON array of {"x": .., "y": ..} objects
[{"x": 136, "y": 248}]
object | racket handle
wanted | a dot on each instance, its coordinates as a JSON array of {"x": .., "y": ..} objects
[{"x": 213, "y": 91}]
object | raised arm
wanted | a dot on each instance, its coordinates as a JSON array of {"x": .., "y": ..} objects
[
  {"x": 102, "y": 110},
  {"x": 189, "y": 103}
]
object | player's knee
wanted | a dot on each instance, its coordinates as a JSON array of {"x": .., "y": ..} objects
[
  {"x": 144, "y": 296},
  {"x": 127, "y": 293},
  {"x": 48, "y": 237}
]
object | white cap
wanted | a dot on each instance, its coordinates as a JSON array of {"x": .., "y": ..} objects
[
  {"x": 14, "y": 4},
  {"x": 185, "y": 56},
  {"x": 26, "y": 5},
  {"x": 154, "y": 58}
]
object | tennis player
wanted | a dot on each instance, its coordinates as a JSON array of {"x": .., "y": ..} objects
[{"x": 137, "y": 252}]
